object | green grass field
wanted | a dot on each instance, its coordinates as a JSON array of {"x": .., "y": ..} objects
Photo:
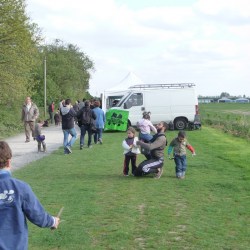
[
  {"x": 233, "y": 118},
  {"x": 104, "y": 210}
]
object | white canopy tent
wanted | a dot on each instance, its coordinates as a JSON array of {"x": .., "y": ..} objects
[{"x": 118, "y": 91}]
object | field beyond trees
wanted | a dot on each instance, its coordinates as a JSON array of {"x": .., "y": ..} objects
[{"x": 105, "y": 210}]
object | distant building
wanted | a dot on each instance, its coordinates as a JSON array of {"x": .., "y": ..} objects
[
  {"x": 205, "y": 100},
  {"x": 242, "y": 100},
  {"x": 225, "y": 99}
]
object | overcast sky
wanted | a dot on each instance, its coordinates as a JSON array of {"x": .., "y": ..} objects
[{"x": 206, "y": 42}]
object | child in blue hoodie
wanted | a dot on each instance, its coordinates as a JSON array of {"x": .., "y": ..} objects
[{"x": 17, "y": 204}]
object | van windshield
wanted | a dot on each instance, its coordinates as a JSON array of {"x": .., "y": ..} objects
[
  {"x": 130, "y": 100},
  {"x": 120, "y": 103}
]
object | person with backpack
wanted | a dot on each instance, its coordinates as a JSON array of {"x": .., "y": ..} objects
[
  {"x": 86, "y": 117},
  {"x": 156, "y": 146}
]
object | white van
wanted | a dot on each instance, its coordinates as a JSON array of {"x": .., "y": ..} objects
[{"x": 177, "y": 103}]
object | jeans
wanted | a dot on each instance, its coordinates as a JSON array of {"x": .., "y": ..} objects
[
  {"x": 98, "y": 134},
  {"x": 66, "y": 133},
  {"x": 145, "y": 137},
  {"x": 84, "y": 129},
  {"x": 180, "y": 165}
]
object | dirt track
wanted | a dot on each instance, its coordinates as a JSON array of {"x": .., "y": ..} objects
[{"x": 24, "y": 153}]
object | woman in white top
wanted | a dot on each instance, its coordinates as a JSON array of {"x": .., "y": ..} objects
[{"x": 145, "y": 126}]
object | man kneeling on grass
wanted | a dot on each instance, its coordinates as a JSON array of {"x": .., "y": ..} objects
[
  {"x": 155, "y": 158},
  {"x": 18, "y": 202}
]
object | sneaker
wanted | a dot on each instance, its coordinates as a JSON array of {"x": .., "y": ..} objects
[
  {"x": 158, "y": 175},
  {"x": 69, "y": 149},
  {"x": 125, "y": 175},
  {"x": 100, "y": 140},
  {"x": 81, "y": 146},
  {"x": 90, "y": 146},
  {"x": 27, "y": 141}
]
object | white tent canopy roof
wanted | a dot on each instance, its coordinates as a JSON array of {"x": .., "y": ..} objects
[{"x": 129, "y": 80}]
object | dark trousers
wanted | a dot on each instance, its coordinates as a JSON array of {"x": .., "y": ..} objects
[
  {"x": 149, "y": 166},
  {"x": 127, "y": 160},
  {"x": 84, "y": 129},
  {"x": 51, "y": 117}
]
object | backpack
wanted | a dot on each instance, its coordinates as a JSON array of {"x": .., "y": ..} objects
[{"x": 86, "y": 116}]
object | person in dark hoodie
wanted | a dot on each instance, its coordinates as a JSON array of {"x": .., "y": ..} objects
[
  {"x": 86, "y": 120},
  {"x": 68, "y": 125}
]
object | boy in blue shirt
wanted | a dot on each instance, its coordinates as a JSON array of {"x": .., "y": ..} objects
[{"x": 17, "y": 204}]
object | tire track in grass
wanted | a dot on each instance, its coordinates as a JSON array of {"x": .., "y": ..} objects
[
  {"x": 140, "y": 240},
  {"x": 180, "y": 210}
]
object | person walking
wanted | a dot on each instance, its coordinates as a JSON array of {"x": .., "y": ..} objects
[
  {"x": 86, "y": 117},
  {"x": 156, "y": 146},
  {"x": 68, "y": 125},
  {"x": 131, "y": 150},
  {"x": 179, "y": 145},
  {"x": 57, "y": 118},
  {"x": 99, "y": 122},
  {"x": 17, "y": 204},
  {"x": 51, "y": 111},
  {"x": 30, "y": 113}
]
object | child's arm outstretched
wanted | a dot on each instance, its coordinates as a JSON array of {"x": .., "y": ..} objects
[
  {"x": 170, "y": 148},
  {"x": 191, "y": 149}
]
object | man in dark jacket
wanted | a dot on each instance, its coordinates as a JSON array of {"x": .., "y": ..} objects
[
  {"x": 86, "y": 117},
  {"x": 68, "y": 125},
  {"x": 156, "y": 146}
]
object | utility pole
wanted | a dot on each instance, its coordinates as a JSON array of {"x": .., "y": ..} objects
[{"x": 45, "y": 106}]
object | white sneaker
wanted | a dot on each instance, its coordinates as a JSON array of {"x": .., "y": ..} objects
[{"x": 158, "y": 175}]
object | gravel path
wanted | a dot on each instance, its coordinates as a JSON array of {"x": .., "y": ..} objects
[{"x": 24, "y": 153}]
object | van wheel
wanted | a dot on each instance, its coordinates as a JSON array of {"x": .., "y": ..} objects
[{"x": 180, "y": 124}]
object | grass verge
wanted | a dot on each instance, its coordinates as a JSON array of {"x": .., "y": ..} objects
[{"x": 104, "y": 210}]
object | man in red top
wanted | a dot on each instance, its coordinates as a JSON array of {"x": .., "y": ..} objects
[{"x": 51, "y": 111}]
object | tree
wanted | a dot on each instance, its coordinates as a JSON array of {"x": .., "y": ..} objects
[
  {"x": 224, "y": 94},
  {"x": 68, "y": 72},
  {"x": 18, "y": 50}
]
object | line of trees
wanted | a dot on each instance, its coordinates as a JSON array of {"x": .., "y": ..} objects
[{"x": 22, "y": 56}]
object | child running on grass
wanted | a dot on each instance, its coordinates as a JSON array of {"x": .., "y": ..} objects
[
  {"x": 179, "y": 144},
  {"x": 131, "y": 150}
]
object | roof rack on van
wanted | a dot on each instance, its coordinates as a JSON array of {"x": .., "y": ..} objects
[{"x": 163, "y": 86}]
